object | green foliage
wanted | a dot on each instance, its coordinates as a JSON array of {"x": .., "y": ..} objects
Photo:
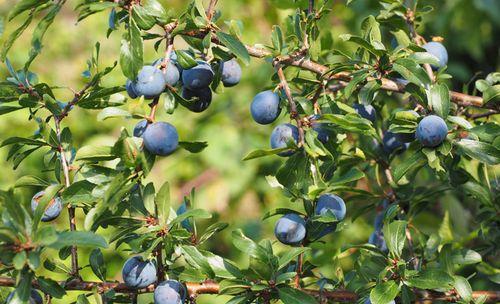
[{"x": 436, "y": 209}]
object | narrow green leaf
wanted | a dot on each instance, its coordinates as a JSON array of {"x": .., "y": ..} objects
[
  {"x": 395, "y": 237},
  {"x": 235, "y": 46}
]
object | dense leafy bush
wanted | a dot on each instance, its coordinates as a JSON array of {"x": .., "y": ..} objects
[{"x": 371, "y": 130}]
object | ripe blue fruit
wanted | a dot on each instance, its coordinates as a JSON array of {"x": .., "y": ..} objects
[
  {"x": 130, "y": 87},
  {"x": 52, "y": 210},
  {"x": 170, "y": 292},
  {"x": 150, "y": 82},
  {"x": 171, "y": 73},
  {"x": 198, "y": 77},
  {"x": 231, "y": 73},
  {"x": 365, "y": 111},
  {"x": 35, "y": 297},
  {"x": 138, "y": 273},
  {"x": 265, "y": 107},
  {"x": 140, "y": 127},
  {"x": 161, "y": 138},
  {"x": 391, "y": 143},
  {"x": 281, "y": 135},
  {"x": 204, "y": 96},
  {"x": 290, "y": 229},
  {"x": 331, "y": 203},
  {"x": 431, "y": 131},
  {"x": 439, "y": 51}
]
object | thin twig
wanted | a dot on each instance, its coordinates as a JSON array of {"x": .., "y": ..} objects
[
  {"x": 293, "y": 106},
  {"x": 482, "y": 115},
  {"x": 211, "y": 9},
  {"x": 71, "y": 209}
]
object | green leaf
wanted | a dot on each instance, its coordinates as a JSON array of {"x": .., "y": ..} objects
[
  {"x": 50, "y": 193},
  {"x": 51, "y": 287},
  {"x": 481, "y": 151},
  {"x": 492, "y": 94},
  {"x": 79, "y": 238},
  {"x": 31, "y": 181},
  {"x": 438, "y": 98},
  {"x": 424, "y": 57},
  {"x": 350, "y": 123},
  {"x": 185, "y": 60},
  {"x": 277, "y": 38},
  {"x": 95, "y": 153},
  {"x": 411, "y": 71},
  {"x": 384, "y": 293},
  {"x": 289, "y": 295},
  {"x": 199, "y": 7},
  {"x": 79, "y": 192},
  {"x": 23, "y": 6},
  {"x": 487, "y": 132},
  {"x": 194, "y": 213},
  {"x": 395, "y": 237},
  {"x": 13, "y": 37},
  {"x": 414, "y": 162},
  {"x": 264, "y": 152},
  {"x": 96, "y": 261},
  {"x": 290, "y": 255},
  {"x": 193, "y": 147},
  {"x": 235, "y": 46},
  {"x": 197, "y": 260},
  {"x": 131, "y": 53},
  {"x": 112, "y": 112},
  {"x": 142, "y": 18},
  {"x": 463, "y": 288},
  {"x": 465, "y": 257},
  {"x": 431, "y": 279},
  {"x": 162, "y": 201},
  {"x": 39, "y": 33}
]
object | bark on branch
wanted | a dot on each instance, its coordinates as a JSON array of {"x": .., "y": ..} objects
[{"x": 211, "y": 287}]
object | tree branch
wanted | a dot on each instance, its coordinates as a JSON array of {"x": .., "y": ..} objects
[
  {"x": 293, "y": 107},
  {"x": 298, "y": 60},
  {"x": 211, "y": 287}
]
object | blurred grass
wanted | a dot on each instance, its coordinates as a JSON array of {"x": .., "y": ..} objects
[{"x": 235, "y": 191}]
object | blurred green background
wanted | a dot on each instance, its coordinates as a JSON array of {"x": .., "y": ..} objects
[{"x": 236, "y": 191}]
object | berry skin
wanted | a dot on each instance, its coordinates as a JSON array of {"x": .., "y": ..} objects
[
  {"x": 333, "y": 203},
  {"x": 390, "y": 143},
  {"x": 231, "y": 73},
  {"x": 52, "y": 210},
  {"x": 431, "y": 131},
  {"x": 265, "y": 107},
  {"x": 170, "y": 292},
  {"x": 140, "y": 128},
  {"x": 439, "y": 51},
  {"x": 150, "y": 82},
  {"x": 204, "y": 96},
  {"x": 281, "y": 135},
  {"x": 366, "y": 111},
  {"x": 131, "y": 89},
  {"x": 161, "y": 138},
  {"x": 290, "y": 229},
  {"x": 172, "y": 74},
  {"x": 35, "y": 297},
  {"x": 198, "y": 77},
  {"x": 138, "y": 273}
]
